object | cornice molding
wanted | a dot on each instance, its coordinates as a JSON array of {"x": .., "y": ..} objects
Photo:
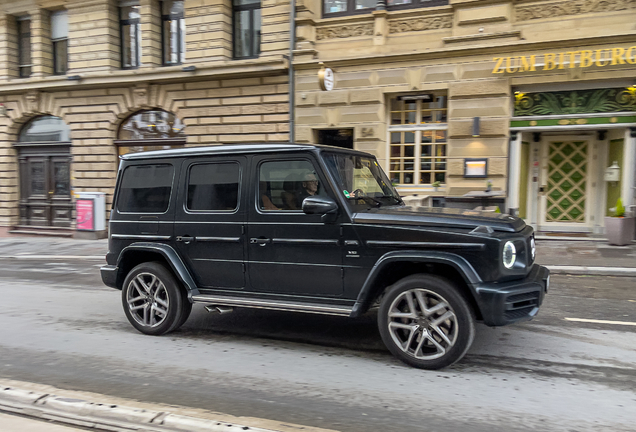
[
  {"x": 139, "y": 78},
  {"x": 571, "y": 7}
]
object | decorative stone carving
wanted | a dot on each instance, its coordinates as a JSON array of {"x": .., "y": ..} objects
[
  {"x": 344, "y": 31},
  {"x": 33, "y": 101},
  {"x": 140, "y": 96},
  {"x": 572, "y": 7},
  {"x": 419, "y": 24}
]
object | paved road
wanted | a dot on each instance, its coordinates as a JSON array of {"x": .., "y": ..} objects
[{"x": 60, "y": 326}]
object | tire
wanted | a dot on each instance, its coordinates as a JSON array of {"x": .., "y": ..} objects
[
  {"x": 153, "y": 300},
  {"x": 412, "y": 327}
]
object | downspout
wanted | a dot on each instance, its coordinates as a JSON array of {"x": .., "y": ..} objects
[{"x": 292, "y": 86}]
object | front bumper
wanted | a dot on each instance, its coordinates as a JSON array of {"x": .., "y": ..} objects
[
  {"x": 509, "y": 302},
  {"x": 109, "y": 275}
]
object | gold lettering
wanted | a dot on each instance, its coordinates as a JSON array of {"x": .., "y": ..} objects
[
  {"x": 599, "y": 58},
  {"x": 548, "y": 61},
  {"x": 586, "y": 58},
  {"x": 617, "y": 56},
  {"x": 499, "y": 60},
  {"x": 630, "y": 57},
  {"x": 561, "y": 60},
  {"x": 525, "y": 65},
  {"x": 510, "y": 68},
  {"x": 572, "y": 58}
]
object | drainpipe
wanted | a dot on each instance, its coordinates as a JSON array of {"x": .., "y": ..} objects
[{"x": 292, "y": 86}]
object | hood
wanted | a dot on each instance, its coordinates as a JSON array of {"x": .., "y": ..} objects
[{"x": 439, "y": 217}]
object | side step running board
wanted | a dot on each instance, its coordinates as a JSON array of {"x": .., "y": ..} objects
[{"x": 272, "y": 304}]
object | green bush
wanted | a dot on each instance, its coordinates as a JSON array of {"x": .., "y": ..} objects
[{"x": 619, "y": 210}]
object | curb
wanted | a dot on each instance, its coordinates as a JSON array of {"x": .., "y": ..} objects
[
  {"x": 116, "y": 418},
  {"x": 592, "y": 271},
  {"x": 58, "y": 257}
]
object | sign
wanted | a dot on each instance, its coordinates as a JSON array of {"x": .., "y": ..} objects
[
  {"x": 326, "y": 79},
  {"x": 85, "y": 215},
  {"x": 475, "y": 168},
  {"x": 565, "y": 60}
]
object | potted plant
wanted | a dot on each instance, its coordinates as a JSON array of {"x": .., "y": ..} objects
[
  {"x": 435, "y": 185},
  {"x": 619, "y": 228}
]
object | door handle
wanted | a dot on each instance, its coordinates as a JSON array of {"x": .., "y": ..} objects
[
  {"x": 260, "y": 241},
  {"x": 185, "y": 239}
]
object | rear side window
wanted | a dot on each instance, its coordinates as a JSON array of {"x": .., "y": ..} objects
[
  {"x": 213, "y": 186},
  {"x": 145, "y": 189}
]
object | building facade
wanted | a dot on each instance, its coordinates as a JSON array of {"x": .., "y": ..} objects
[
  {"x": 83, "y": 81},
  {"x": 536, "y": 99}
]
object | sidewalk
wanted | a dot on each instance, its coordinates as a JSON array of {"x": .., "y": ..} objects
[{"x": 569, "y": 256}]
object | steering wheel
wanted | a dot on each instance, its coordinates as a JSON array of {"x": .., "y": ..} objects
[{"x": 358, "y": 193}]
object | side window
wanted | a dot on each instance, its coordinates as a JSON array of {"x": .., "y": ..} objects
[
  {"x": 213, "y": 186},
  {"x": 145, "y": 189},
  {"x": 283, "y": 185}
]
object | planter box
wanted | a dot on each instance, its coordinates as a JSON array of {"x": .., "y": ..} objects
[{"x": 620, "y": 231}]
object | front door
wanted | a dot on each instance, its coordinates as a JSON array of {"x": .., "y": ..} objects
[
  {"x": 291, "y": 252},
  {"x": 45, "y": 186},
  {"x": 565, "y": 184},
  {"x": 209, "y": 221}
]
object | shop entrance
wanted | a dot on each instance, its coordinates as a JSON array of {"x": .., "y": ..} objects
[
  {"x": 336, "y": 137},
  {"x": 565, "y": 181}
]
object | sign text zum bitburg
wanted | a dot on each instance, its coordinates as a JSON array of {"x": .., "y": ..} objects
[{"x": 565, "y": 60}]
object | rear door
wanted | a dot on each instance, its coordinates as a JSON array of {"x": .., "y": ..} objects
[
  {"x": 290, "y": 252},
  {"x": 210, "y": 220}
]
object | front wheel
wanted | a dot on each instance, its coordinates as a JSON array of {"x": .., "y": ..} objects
[
  {"x": 425, "y": 322},
  {"x": 153, "y": 301}
]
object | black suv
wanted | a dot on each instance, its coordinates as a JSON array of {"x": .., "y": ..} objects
[{"x": 312, "y": 229}]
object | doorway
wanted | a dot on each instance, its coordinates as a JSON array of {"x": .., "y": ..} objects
[
  {"x": 44, "y": 155},
  {"x": 336, "y": 137}
]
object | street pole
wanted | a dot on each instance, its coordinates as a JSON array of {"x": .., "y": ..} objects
[{"x": 292, "y": 43}]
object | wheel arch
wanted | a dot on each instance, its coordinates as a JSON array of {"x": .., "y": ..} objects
[
  {"x": 394, "y": 266},
  {"x": 138, "y": 253}
]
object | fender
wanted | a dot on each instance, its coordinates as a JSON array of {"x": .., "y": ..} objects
[
  {"x": 171, "y": 256},
  {"x": 459, "y": 263}
]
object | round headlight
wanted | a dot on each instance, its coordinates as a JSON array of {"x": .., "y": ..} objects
[
  {"x": 533, "y": 248},
  {"x": 509, "y": 255}
]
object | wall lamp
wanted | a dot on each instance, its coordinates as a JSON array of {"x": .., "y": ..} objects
[{"x": 476, "y": 127}]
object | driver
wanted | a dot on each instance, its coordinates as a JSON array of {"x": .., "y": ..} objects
[{"x": 309, "y": 187}]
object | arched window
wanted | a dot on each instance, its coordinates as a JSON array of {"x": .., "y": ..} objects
[
  {"x": 45, "y": 129},
  {"x": 150, "y": 130}
]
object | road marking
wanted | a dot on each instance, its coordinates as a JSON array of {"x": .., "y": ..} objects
[{"x": 627, "y": 323}]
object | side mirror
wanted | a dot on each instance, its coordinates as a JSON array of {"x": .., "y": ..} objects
[{"x": 319, "y": 205}]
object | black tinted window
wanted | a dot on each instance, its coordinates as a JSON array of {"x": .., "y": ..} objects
[
  {"x": 213, "y": 186},
  {"x": 145, "y": 189}
]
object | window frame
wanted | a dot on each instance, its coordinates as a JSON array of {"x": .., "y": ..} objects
[
  {"x": 418, "y": 129},
  {"x": 251, "y": 7},
  {"x": 352, "y": 11},
  {"x": 119, "y": 187},
  {"x": 54, "y": 44},
  {"x": 186, "y": 185},
  {"x": 321, "y": 179},
  {"x": 21, "y": 53},
  {"x": 166, "y": 47},
  {"x": 132, "y": 22}
]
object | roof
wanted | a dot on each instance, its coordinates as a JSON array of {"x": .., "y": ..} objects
[{"x": 233, "y": 149}]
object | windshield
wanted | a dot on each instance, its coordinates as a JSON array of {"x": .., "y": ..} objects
[{"x": 361, "y": 180}]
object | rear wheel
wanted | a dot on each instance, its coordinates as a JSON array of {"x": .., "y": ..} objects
[
  {"x": 153, "y": 301},
  {"x": 425, "y": 322}
]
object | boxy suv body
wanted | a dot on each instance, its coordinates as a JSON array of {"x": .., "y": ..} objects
[{"x": 312, "y": 229}]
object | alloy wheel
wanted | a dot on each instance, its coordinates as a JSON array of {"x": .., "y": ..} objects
[
  {"x": 148, "y": 300},
  {"x": 422, "y": 324}
]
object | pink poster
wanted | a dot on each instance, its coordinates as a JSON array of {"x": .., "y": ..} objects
[{"x": 84, "y": 214}]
